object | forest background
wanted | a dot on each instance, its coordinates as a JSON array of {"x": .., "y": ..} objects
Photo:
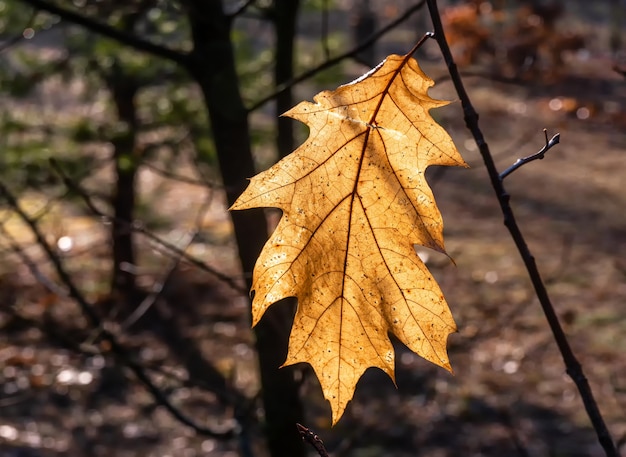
[{"x": 127, "y": 128}]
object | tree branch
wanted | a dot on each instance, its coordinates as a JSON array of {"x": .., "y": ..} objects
[
  {"x": 116, "y": 348},
  {"x": 539, "y": 155},
  {"x": 174, "y": 176},
  {"x": 32, "y": 265},
  {"x": 573, "y": 367},
  {"x": 87, "y": 199},
  {"x": 335, "y": 60},
  {"x": 158, "y": 286},
  {"x": 113, "y": 33}
]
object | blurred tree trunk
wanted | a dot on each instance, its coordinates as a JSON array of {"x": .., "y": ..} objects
[
  {"x": 213, "y": 67},
  {"x": 364, "y": 23},
  {"x": 123, "y": 90},
  {"x": 285, "y": 16},
  {"x": 211, "y": 63}
]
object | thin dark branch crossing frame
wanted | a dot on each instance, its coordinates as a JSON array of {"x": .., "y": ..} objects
[
  {"x": 117, "y": 349},
  {"x": 573, "y": 366}
]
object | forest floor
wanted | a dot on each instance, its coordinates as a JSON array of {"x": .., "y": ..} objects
[{"x": 509, "y": 394}]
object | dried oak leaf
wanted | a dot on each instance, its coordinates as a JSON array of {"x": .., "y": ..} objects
[{"x": 355, "y": 201}]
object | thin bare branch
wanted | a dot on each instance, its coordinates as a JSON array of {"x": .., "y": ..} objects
[
  {"x": 158, "y": 286},
  {"x": 174, "y": 176},
  {"x": 139, "y": 228},
  {"x": 539, "y": 155},
  {"x": 573, "y": 366},
  {"x": 232, "y": 282},
  {"x": 335, "y": 60},
  {"x": 32, "y": 265},
  {"x": 88, "y": 310},
  {"x": 108, "y": 31}
]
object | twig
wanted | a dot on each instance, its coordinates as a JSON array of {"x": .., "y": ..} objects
[
  {"x": 539, "y": 155},
  {"x": 87, "y": 308},
  {"x": 335, "y": 60},
  {"x": 233, "y": 283},
  {"x": 175, "y": 176},
  {"x": 157, "y": 288},
  {"x": 108, "y": 31},
  {"x": 52, "y": 330},
  {"x": 314, "y": 440},
  {"x": 573, "y": 367},
  {"x": 32, "y": 265}
]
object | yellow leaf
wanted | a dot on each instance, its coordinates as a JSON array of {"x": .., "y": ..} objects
[{"x": 355, "y": 201}]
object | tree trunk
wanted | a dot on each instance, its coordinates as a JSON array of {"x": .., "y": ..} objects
[
  {"x": 364, "y": 23},
  {"x": 285, "y": 15},
  {"x": 123, "y": 90},
  {"x": 213, "y": 67}
]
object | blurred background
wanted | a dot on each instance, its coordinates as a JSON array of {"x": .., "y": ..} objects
[{"x": 127, "y": 129}]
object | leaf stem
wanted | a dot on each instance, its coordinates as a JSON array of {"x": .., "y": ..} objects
[
  {"x": 573, "y": 367},
  {"x": 422, "y": 40}
]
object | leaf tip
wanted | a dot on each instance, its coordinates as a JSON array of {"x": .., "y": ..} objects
[
  {"x": 336, "y": 412},
  {"x": 238, "y": 205}
]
